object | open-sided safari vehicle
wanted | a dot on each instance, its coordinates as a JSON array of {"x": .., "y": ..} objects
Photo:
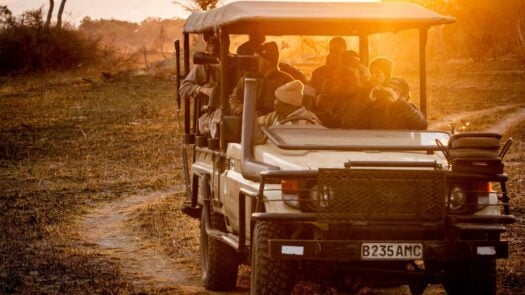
[{"x": 390, "y": 207}]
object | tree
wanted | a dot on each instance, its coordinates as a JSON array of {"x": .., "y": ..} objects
[
  {"x": 50, "y": 12},
  {"x": 60, "y": 12},
  {"x": 6, "y": 16},
  {"x": 196, "y": 5}
]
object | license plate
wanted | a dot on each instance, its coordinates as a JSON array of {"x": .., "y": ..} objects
[{"x": 391, "y": 251}]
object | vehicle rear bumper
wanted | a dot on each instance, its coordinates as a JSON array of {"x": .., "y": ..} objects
[{"x": 350, "y": 250}]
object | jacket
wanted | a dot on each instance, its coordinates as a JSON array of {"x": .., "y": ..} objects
[{"x": 265, "y": 93}]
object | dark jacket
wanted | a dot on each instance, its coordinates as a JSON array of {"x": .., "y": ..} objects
[
  {"x": 265, "y": 93},
  {"x": 399, "y": 115}
]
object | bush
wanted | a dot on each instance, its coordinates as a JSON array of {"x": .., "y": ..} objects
[{"x": 26, "y": 45}]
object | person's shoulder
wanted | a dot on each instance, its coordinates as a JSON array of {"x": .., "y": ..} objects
[
  {"x": 280, "y": 75},
  {"x": 322, "y": 69}
]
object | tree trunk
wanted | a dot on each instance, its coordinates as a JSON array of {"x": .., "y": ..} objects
[
  {"x": 60, "y": 12},
  {"x": 50, "y": 12}
]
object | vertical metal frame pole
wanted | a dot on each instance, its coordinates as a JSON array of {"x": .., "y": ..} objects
[
  {"x": 363, "y": 49},
  {"x": 423, "y": 36},
  {"x": 187, "y": 136},
  {"x": 225, "y": 79}
]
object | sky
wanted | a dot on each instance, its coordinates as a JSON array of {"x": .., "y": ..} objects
[{"x": 130, "y": 10}]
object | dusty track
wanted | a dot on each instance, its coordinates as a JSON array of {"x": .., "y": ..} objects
[
  {"x": 445, "y": 123},
  {"x": 106, "y": 230}
]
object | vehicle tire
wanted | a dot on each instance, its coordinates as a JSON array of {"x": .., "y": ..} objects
[
  {"x": 219, "y": 262},
  {"x": 471, "y": 277},
  {"x": 269, "y": 276}
]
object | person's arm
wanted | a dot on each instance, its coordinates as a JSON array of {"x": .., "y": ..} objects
[
  {"x": 193, "y": 84},
  {"x": 237, "y": 98},
  {"x": 409, "y": 116}
]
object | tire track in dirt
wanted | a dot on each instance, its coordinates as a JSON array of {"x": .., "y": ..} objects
[
  {"x": 445, "y": 122},
  {"x": 106, "y": 231},
  {"x": 503, "y": 125}
]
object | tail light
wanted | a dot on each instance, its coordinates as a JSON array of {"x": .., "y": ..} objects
[
  {"x": 482, "y": 190},
  {"x": 290, "y": 192}
]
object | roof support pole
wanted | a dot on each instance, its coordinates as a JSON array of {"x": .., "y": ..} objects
[
  {"x": 363, "y": 49},
  {"x": 188, "y": 137},
  {"x": 224, "y": 78},
  {"x": 423, "y": 35}
]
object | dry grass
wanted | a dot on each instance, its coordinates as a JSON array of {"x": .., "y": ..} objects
[
  {"x": 162, "y": 221},
  {"x": 68, "y": 144}
]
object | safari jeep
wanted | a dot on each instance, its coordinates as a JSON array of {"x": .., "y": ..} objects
[{"x": 382, "y": 207}]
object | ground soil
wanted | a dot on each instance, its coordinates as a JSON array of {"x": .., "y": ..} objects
[{"x": 92, "y": 178}]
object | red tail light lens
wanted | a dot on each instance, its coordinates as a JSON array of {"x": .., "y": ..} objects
[{"x": 290, "y": 187}]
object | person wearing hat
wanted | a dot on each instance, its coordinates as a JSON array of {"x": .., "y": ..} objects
[
  {"x": 287, "y": 106},
  {"x": 336, "y": 47},
  {"x": 271, "y": 79}
]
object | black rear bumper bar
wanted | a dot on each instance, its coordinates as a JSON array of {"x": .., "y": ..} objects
[{"x": 350, "y": 250}]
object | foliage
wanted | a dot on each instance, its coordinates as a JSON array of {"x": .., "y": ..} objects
[
  {"x": 195, "y": 5},
  {"x": 484, "y": 28},
  {"x": 153, "y": 33},
  {"x": 26, "y": 45}
]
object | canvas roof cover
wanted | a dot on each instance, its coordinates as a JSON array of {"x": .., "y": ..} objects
[{"x": 314, "y": 18}]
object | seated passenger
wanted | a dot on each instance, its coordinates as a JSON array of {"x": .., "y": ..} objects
[
  {"x": 335, "y": 48},
  {"x": 381, "y": 69},
  {"x": 351, "y": 59},
  {"x": 288, "y": 108},
  {"x": 203, "y": 82},
  {"x": 255, "y": 40},
  {"x": 272, "y": 78},
  {"x": 390, "y": 109},
  {"x": 337, "y": 92},
  {"x": 405, "y": 115}
]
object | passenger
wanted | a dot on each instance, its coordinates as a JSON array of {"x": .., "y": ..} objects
[
  {"x": 335, "y": 48},
  {"x": 272, "y": 78},
  {"x": 255, "y": 40},
  {"x": 351, "y": 59},
  {"x": 337, "y": 93},
  {"x": 202, "y": 78},
  {"x": 405, "y": 115},
  {"x": 201, "y": 81},
  {"x": 287, "y": 105},
  {"x": 381, "y": 69},
  {"x": 390, "y": 109}
]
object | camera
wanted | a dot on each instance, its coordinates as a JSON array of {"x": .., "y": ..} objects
[
  {"x": 203, "y": 58},
  {"x": 247, "y": 63}
]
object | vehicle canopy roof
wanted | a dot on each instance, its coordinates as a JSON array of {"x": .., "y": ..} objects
[{"x": 314, "y": 18}]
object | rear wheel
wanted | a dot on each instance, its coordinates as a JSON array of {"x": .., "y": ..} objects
[
  {"x": 471, "y": 277},
  {"x": 269, "y": 276},
  {"x": 219, "y": 262}
]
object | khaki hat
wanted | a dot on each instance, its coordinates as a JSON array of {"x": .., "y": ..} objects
[{"x": 291, "y": 93}]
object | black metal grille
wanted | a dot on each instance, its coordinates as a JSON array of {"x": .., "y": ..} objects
[{"x": 347, "y": 195}]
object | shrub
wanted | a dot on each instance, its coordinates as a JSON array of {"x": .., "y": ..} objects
[{"x": 26, "y": 45}]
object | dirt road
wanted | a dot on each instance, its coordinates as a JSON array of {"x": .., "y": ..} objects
[{"x": 108, "y": 231}]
